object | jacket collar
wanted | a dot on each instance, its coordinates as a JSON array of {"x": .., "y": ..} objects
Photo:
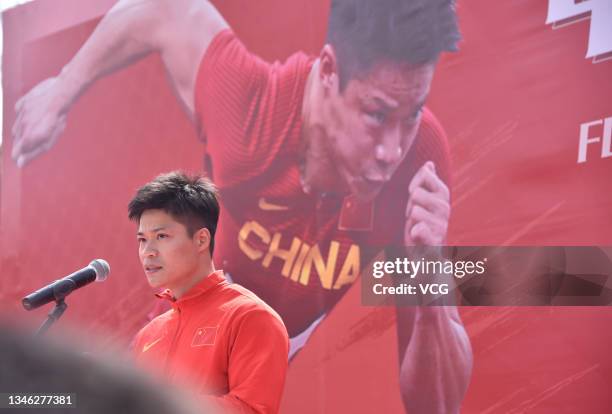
[{"x": 206, "y": 284}]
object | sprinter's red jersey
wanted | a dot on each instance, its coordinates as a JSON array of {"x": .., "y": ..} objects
[{"x": 296, "y": 251}]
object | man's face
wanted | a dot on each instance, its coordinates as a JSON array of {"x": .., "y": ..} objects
[
  {"x": 372, "y": 124},
  {"x": 169, "y": 257}
]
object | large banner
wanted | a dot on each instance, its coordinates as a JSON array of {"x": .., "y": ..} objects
[{"x": 525, "y": 104}]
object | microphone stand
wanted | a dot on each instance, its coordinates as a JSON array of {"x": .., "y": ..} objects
[
  {"x": 52, "y": 317},
  {"x": 61, "y": 289}
]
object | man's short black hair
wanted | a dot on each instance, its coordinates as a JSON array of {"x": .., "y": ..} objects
[
  {"x": 190, "y": 200},
  {"x": 366, "y": 32}
]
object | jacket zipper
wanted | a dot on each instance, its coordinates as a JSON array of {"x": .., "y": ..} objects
[{"x": 173, "y": 345}]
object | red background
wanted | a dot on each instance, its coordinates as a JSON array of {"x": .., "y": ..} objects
[{"x": 511, "y": 101}]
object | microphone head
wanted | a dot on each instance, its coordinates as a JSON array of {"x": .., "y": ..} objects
[{"x": 102, "y": 269}]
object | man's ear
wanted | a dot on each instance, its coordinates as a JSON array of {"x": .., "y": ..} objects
[
  {"x": 328, "y": 69},
  {"x": 202, "y": 239}
]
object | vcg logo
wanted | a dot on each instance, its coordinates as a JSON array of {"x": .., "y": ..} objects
[{"x": 562, "y": 13}]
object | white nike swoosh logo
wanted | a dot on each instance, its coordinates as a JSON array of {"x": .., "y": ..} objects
[
  {"x": 146, "y": 347},
  {"x": 264, "y": 205}
]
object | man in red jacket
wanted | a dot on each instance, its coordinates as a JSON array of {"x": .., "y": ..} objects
[{"x": 219, "y": 338}]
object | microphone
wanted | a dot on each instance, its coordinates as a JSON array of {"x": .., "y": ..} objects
[{"x": 97, "y": 270}]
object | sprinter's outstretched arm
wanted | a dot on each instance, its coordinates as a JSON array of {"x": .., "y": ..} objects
[{"x": 180, "y": 30}]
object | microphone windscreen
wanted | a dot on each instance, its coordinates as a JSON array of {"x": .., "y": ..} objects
[{"x": 102, "y": 269}]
